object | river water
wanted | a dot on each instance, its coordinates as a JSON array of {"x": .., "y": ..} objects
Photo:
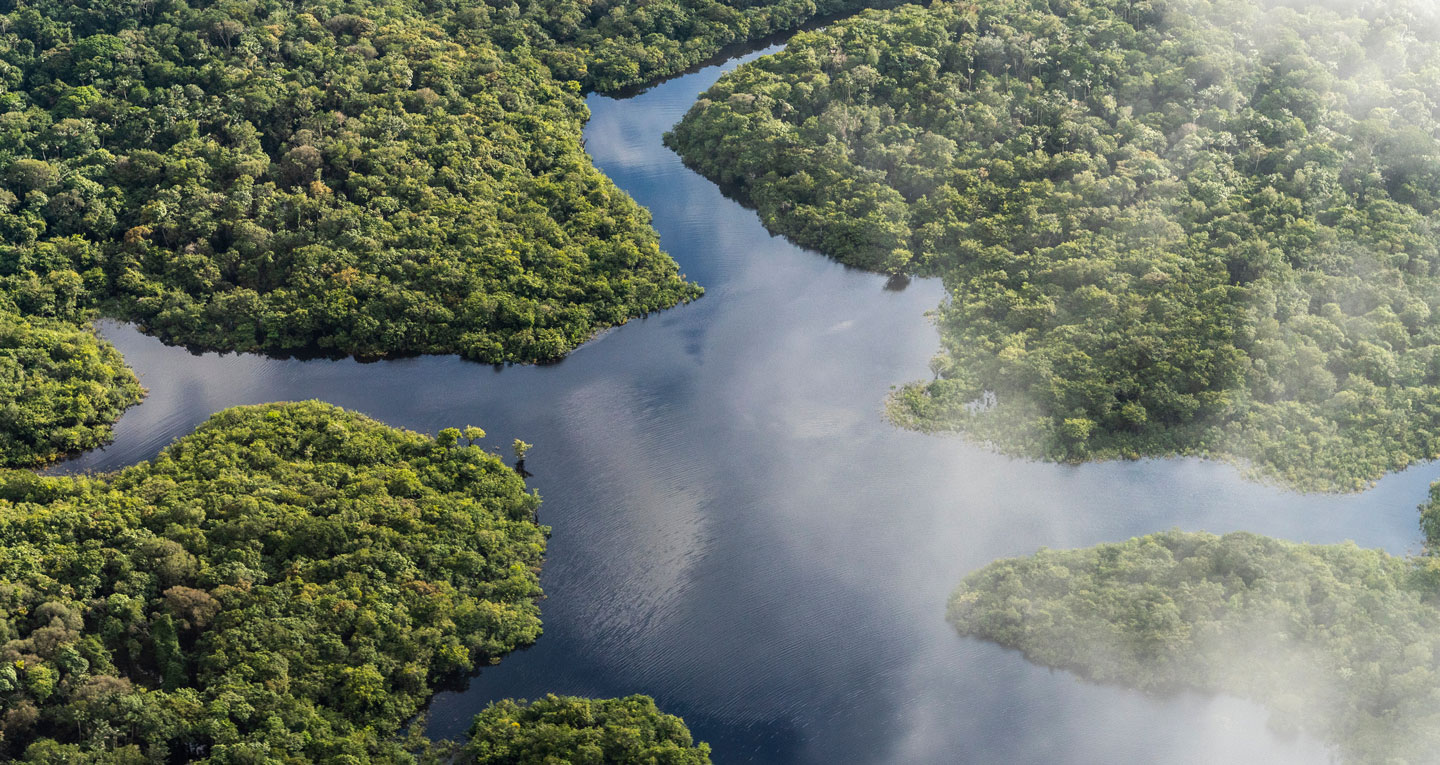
[{"x": 738, "y": 531}]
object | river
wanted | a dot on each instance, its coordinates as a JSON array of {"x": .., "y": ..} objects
[{"x": 738, "y": 531}]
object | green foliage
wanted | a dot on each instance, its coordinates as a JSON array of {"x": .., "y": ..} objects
[
  {"x": 61, "y": 387},
  {"x": 1430, "y": 518},
  {"x": 366, "y": 179},
  {"x": 289, "y": 583},
  {"x": 371, "y": 178},
  {"x": 1167, "y": 227},
  {"x": 566, "y": 729},
  {"x": 1340, "y": 642}
]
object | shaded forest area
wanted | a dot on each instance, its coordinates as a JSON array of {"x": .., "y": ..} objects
[{"x": 1200, "y": 227}]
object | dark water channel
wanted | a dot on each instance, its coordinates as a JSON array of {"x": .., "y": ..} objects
[{"x": 738, "y": 531}]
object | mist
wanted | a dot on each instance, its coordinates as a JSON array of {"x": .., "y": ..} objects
[
  {"x": 1264, "y": 172},
  {"x": 740, "y": 531}
]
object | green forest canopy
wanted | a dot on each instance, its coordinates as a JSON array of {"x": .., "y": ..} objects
[
  {"x": 60, "y": 388},
  {"x": 370, "y": 177},
  {"x": 363, "y": 178},
  {"x": 566, "y": 729},
  {"x": 1165, "y": 227},
  {"x": 1339, "y": 642},
  {"x": 257, "y": 176},
  {"x": 288, "y": 583}
]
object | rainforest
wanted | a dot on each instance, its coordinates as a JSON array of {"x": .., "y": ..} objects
[
  {"x": 1193, "y": 227},
  {"x": 288, "y": 580},
  {"x": 264, "y": 264},
  {"x": 368, "y": 179},
  {"x": 337, "y": 178}
]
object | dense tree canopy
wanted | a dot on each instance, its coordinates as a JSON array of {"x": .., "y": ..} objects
[
  {"x": 60, "y": 388},
  {"x": 366, "y": 177},
  {"x": 1170, "y": 226},
  {"x": 289, "y": 583},
  {"x": 1340, "y": 642},
  {"x": 622, "y": 44},
  {"x": 566, "y": 729}
]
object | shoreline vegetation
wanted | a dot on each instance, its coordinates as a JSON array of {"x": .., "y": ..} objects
[
  {"x": 62, "y": 387},
  {"x": 580, "y": 730},
  {"x": 291, "y": 582},
  {"x": 365, "y": 178},
  {"x": 1191, "y": 227},
  {"x": 1338, "y": 642}
]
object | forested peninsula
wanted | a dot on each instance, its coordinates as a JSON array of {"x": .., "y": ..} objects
[
  {"x": 368, "y": 178},
  {"x": 60, "y": 388},
  {"x": 1195, "y": 227},
  {"x": 290, "y": 583},
  {"x": 1338, "y": 642}
]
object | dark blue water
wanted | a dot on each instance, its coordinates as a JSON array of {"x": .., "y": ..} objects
[{"x": 740, "y": 533}]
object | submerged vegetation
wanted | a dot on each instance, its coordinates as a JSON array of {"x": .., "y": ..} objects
[
  {"x": 1170, "y": 227},
  {"x": 288, "y": 583},
  {"x": 1339, "y": 642}
]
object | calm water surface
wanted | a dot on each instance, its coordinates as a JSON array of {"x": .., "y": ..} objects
[{"x": 738, "y": 531}]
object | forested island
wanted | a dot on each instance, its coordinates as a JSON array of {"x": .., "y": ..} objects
[
  {"x": 358, "y": 178},
  {"x": 1338, "y": 642},
  {"x": 289, "y": 581},
  {"x": 1196, "y": 227}
]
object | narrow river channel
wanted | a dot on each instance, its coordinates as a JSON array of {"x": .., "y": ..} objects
[{"x": 738, "y": 531}]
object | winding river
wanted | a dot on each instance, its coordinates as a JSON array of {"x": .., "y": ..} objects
[{"x": 740, "y": 533}]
